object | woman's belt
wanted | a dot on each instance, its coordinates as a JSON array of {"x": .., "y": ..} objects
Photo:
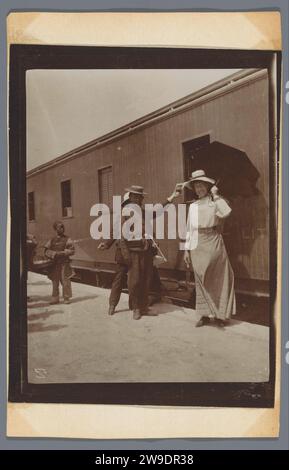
[{"x": 207, "y": 229}]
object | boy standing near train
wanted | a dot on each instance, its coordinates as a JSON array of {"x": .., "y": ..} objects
[{"x": 59, "y": 249}]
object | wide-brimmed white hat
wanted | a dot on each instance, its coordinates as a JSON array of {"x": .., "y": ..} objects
[{"x": 199, "y": 175}]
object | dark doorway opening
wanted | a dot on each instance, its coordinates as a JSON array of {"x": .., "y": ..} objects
[{"x": 189, "y": 147}]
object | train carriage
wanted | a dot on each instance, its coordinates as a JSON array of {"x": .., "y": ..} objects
[{"x": 155, "y": 152}]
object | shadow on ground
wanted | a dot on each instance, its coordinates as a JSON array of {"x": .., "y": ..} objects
[
  {"x": 80, "y": 299},
  {"x": 40, "y": 327},
  {"x": 45, "y": 301},
  {"x": 39, "y": 283},
  {"x": 43, "y": 315}
]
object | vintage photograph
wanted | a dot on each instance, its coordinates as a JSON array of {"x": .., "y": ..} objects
[{"x": 151, "y": 219}]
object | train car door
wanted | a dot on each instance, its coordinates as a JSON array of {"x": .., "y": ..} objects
[{"x": 189, "y": 147}]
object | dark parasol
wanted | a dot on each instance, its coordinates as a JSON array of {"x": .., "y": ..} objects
[{"x": 232, "y": 169}]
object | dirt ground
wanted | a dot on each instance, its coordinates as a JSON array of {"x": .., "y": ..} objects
[{"x": 79, "y": 342}]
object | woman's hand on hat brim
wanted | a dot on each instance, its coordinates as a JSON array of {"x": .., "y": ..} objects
[
  {"x": 214, "y": 190},
  {"x": 177, "y": 192}
]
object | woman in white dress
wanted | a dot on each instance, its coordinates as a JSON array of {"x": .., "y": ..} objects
[{"x": 206, "y": 252}]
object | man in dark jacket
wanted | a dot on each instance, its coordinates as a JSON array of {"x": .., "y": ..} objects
[{"x": 134, "y": 195}]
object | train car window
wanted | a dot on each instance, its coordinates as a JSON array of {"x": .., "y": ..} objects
[
  {"x": 105, "y": 185},
  {"x": 31, "y": 206},
  {"x": 66, "y": 198}
]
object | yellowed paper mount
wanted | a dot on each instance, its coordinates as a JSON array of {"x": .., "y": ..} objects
[{"x": 250, "y": 30}]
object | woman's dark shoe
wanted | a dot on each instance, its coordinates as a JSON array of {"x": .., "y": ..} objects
[
  {"x": 220, "y": 323},
  {"x": 203, "y": 321}
]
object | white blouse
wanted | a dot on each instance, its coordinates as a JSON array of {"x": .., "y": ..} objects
[{"x": 205, "y": 213}]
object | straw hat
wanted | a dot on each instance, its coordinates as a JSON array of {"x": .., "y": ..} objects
[
  {"x": 199, "y": 175},
  {"x": 136, "y": 190}
]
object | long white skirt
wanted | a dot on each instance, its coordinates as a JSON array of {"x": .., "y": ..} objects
[{"x": 214, "y": 277}]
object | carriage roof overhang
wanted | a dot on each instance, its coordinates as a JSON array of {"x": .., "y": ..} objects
[{"x": 208, "y": 93}]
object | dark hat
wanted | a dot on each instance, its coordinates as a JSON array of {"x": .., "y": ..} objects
[
  {"x": 58, "y": 222},
  {"x": 136, "y": 190}
]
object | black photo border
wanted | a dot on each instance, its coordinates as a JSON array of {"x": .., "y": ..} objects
[{"x": 28, "y": 57}]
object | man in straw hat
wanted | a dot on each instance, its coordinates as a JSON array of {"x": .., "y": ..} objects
[
  {"x": 135, "y": 258},
  {"x": 120, "y": 277},
  {"x": 138, "y": 255}
]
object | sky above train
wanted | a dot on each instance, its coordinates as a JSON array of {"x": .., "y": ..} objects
[{"x": 68, "y": 108}]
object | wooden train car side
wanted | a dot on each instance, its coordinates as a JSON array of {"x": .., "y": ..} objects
[{"x": 152, "y": 152}]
